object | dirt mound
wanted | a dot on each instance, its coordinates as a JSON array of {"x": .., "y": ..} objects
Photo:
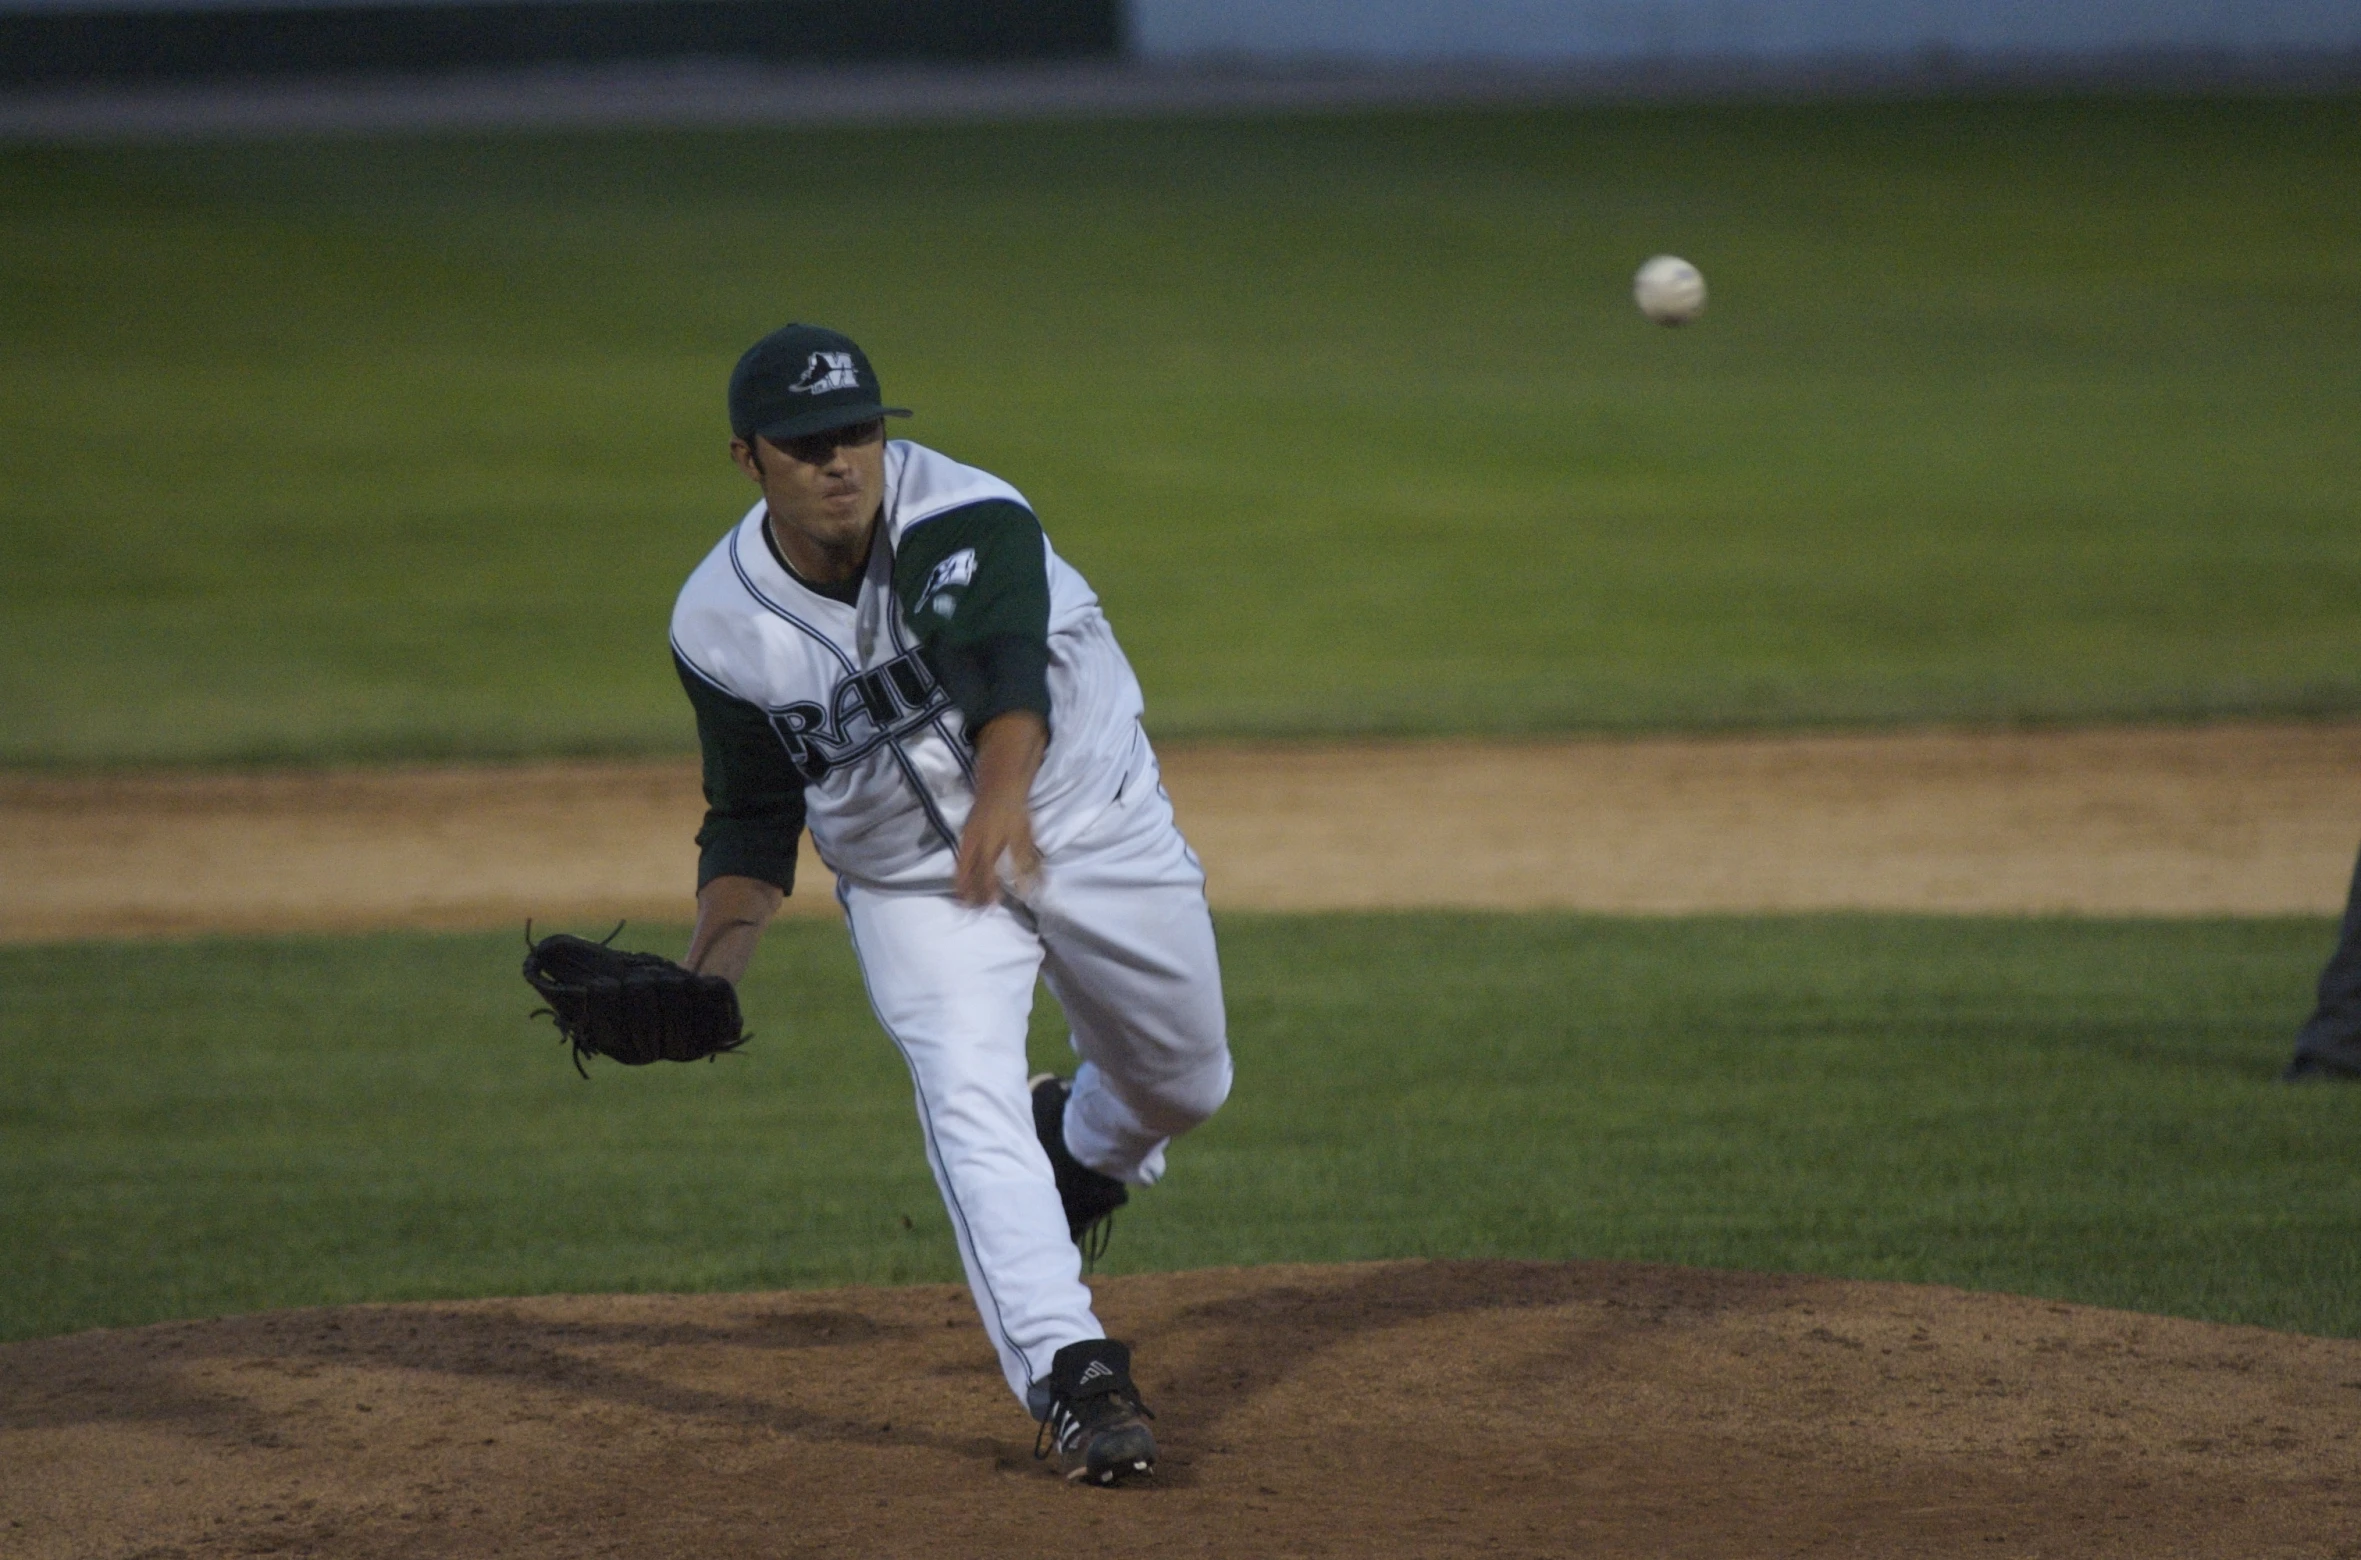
[{"x": 1373, "y": 1410}]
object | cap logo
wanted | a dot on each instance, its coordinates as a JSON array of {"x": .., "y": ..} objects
[{"x": 825, "y": 372}]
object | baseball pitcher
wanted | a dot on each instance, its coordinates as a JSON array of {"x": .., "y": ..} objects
[{"x": 887, "y": 650}]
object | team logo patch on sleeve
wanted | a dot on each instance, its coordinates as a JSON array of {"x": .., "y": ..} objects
[
  {"x": 950, "y": 574},
  {"x": 827, "y": 371}
]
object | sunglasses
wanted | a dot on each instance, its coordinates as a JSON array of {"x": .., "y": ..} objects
[{"x": 815, "y": 449}]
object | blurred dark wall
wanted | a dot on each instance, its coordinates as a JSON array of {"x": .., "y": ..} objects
[{"x": 61, "y": 47}]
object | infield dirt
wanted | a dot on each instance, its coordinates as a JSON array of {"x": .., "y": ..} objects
[
  {"x": 1399, "y": 1409},
  {"x": 2222, "y": 820}
]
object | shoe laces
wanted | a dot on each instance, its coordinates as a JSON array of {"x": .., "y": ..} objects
[
  {"x": 1094, "y": 1241},
  {"x": 1064, "y": 1420}
]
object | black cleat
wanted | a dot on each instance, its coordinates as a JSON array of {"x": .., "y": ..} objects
[
  {"x": 1096, "y": 1424},
  {"x": 1089, "y": 1196}
]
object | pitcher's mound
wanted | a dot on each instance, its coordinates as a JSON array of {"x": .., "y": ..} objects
[{"x": 1423, "y": 1408}]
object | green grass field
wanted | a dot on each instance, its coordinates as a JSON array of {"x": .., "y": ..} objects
[
  {"x": 2011, "y": 410},
  {"x": 2003, "y": 410},
  {"x": 2077, "y": 1109}
]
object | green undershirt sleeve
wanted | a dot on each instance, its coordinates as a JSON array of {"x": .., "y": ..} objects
[
  {"x": 753, "y": 794},
  {"x": 974, "y": 587}
]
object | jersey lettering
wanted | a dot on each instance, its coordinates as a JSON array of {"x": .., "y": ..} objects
[
  {"x": 911, "y": 680},
  {"x": 879, "y": 705}
]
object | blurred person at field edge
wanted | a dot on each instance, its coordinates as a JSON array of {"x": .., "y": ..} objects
[{"x": 2329, "y": 1044}]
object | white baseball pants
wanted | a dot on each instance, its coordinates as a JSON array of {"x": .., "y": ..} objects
[{"x": 1116, "y": 924}]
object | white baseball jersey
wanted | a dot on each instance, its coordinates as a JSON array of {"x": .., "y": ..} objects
[{"x": 887, "y": 767}]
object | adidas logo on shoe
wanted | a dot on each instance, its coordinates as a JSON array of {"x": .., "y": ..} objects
[{"x": 1096, "y": 1423}]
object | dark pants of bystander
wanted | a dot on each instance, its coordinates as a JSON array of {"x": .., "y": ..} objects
[{"x": 2329, "y": 1044}]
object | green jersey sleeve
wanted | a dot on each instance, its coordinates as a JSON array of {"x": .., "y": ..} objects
[
  {"x": 753, "y": 794},
  {"x": 974, "y": 587}
]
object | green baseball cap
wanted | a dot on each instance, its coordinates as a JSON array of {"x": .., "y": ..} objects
[{"x": 803, "y": 379}]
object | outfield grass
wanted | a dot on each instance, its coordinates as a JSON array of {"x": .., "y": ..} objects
[
  {"x": 2003, "y": 410},
  {"x": 2078, "y": 1109}
]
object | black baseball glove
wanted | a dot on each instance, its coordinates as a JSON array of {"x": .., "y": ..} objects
[{"x": 633, "y": 1007}]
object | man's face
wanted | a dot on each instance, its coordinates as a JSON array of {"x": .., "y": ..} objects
[{"x": 825, "y": 486}]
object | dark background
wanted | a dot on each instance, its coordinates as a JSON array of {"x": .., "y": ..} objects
[{"x": 60, "y": 48}]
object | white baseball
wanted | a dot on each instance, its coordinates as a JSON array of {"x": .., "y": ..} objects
[{"x": 1669, "y": 290}]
